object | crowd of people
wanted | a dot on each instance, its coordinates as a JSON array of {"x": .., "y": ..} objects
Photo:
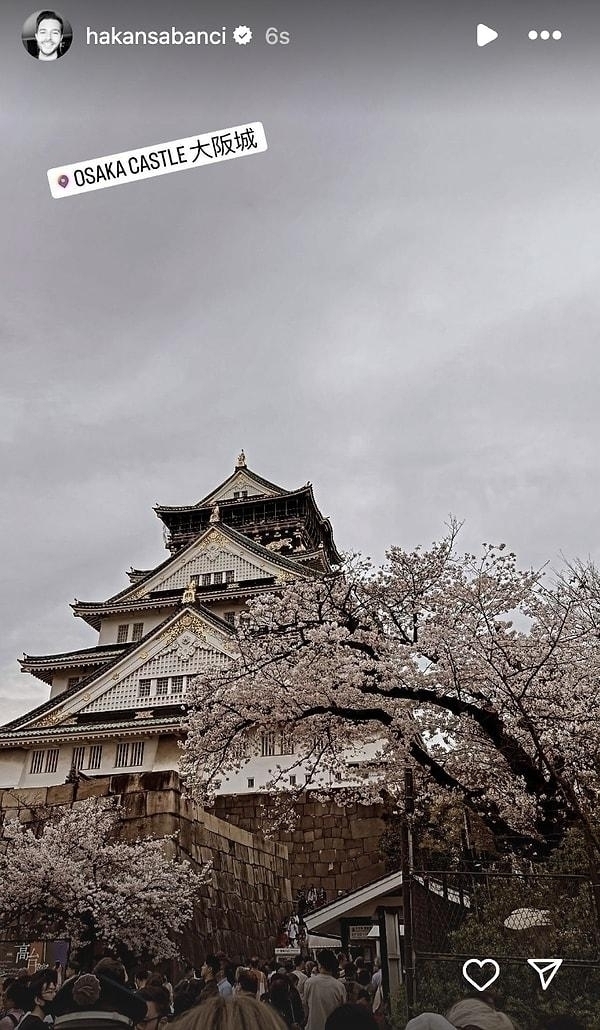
[{"x": 333, "y": 993}]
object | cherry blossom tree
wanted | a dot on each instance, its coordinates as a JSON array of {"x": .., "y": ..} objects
[
  {"x": 76, "y": 880},
  {"x": 480, "y": 675}
]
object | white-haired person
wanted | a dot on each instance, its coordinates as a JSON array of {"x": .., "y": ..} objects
[
  {"x": 475, "y": 1014},
  {"x": 237, "y": 1013}
]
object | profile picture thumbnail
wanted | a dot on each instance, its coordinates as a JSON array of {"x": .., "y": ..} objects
[{"x": 46, "y": 35}]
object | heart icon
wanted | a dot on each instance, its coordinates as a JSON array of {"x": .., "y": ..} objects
[{"x": 480, "y": 963}]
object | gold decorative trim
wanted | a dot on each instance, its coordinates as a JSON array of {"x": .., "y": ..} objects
[{"x": 186, "y": 622}]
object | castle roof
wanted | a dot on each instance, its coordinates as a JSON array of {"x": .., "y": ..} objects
[{"x": 44, "y": 665}]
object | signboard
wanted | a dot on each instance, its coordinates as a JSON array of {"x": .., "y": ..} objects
[
  {"x": 30, "y": 955},
  {"x": 359, "y": 931},
  {"x": 287, "y": 952}
]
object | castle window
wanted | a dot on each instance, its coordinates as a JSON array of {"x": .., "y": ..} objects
[
  {"x": 177, "y": 684},
  {"x": 251, "y": 781},
  {"x": 144, "y": 688},
  {"x": 292, "y": 781},
  {"x": 44, "y": 761},
  {"x": 129, "y": 755},
  {"x": 138, "y": 631},
  {"x": 267, "y": 741},
  {"x": 37, "y": 762},
  {"x": 218, "y": 577},
  {"x": 122, "y": 634},
  {"x": 286, "y": 743},
  {"x": 229, "y": 617},
  {"x": 95, "y": 756},
  {"x": 162, "y": 686},
  {"x": 78, "y": 758},
  {"x": 206, "y": 579},
  {"x": 137, "y": 753},
  {"x": 229, "y": 576}
]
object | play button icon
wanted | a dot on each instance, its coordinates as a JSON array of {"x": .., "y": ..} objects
[{"x": 485, "y": 35}]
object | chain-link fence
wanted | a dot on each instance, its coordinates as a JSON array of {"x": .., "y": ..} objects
[{"x": 505, "y": 918}]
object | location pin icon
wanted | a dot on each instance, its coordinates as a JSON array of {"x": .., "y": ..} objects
[{"x": 63, "y": 180}]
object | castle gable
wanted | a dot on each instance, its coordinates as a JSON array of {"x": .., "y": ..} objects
[
  {"x": 242, "y": 485},
  {"x": 154, "y": 674},
  {"x": 219, "y": 556}
]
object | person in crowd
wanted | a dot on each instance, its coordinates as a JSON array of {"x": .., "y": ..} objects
[
  {"x": 168, "y": 986},
  {"x": 351, "y": 1017},
  {"x": 72, "y": 968},
  {"x": 350, "y": 982},
  {"x": 141, "y": 976},
  {"x": 299, "y": 974},
  {"x": 475, "y": 1014},
  {"x": 186, "y": 994},
  {"x": 377, "y": 975},
  {"x": 16, "y": 1002},
  {"x": 363, "y": 979},
  {"x": 155, "y": 979},
  {"x": 158, "y": 1007},
  {"x": 323, "y": 992},
  {"x": 111, "y": 968},
  {"x": 428, "y": 1021},
  {"x": 364, "y": 998},
  {"x": 209, "y": 973},
  {"x": 99, "y": 992},
  {"x": 42, "y": 992},
  {"x": 237, "y": 1013},
  {"x": 310, "y": 967},
  {"x": 245, "y": 982},
  {"x": 223, "y": 985},
  {"x": 261, "y": 980},
  {"x": 285, "y": 1001}
]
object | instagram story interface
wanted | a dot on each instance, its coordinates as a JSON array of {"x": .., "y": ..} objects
[{"x": 315, "y": 286}]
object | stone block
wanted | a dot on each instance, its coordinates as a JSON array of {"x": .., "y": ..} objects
[
  {"x": 123, "y": 783},
  {"x": 159, "y": 801},
  {"x": 162, "y": 779},
  {"x": 367, "y": 828},
  {"x": 133, "y": 806},
  {"x": 96, "y": 788},
  {"x": 60, "y": 794}
]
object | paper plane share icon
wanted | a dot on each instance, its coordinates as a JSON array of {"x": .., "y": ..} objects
[{"x": 546, "y": 968}]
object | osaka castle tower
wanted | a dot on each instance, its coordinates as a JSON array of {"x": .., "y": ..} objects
[{"x": 118, "y": 705}]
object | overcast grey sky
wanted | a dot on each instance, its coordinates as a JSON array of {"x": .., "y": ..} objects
[{"x": 398, "y": 301}]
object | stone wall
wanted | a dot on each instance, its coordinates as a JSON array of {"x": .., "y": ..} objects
[
  {"x": 331, "y": 847},
  {"x": 239, "y": 911}
]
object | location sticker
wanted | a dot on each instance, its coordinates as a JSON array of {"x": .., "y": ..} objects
[{"x": 145, "y": 162}]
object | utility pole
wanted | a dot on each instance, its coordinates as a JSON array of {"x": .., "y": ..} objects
[{"x": 407, "y": 873}]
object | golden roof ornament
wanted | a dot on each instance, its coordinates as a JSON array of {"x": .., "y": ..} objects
[
  {"x": 189, "y": 594},
  {"x": 215, "y": 515},
  {"x": 241, "y": 461}
]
